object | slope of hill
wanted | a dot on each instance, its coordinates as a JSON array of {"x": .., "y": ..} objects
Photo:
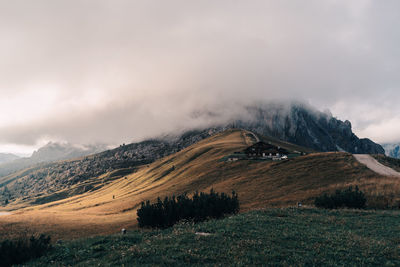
[
  {"x": 50, "y": 177},
  {"x": 391, "y": 162},
  {"x": 112, "y": 198},
  {"x": 376, "y": 166}
]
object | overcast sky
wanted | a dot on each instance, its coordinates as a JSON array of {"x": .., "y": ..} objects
[{"x": 118, "y": 71}]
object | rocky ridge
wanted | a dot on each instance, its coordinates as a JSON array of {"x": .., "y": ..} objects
[{"x": 302, "y": 125}]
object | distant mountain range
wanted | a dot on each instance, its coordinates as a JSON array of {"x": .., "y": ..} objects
[
  {"x": 49, "y": 153},
  {"x": 392, "y": 150},
  {"x": 7, "y": 157},
  {"x": 61, "y": 151}
]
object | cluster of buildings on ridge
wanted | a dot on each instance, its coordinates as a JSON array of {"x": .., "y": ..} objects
[{"x": 260, "y": 151}]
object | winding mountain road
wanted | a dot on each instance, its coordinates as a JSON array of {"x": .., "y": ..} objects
[
  {"x": 255, "y": 136},
  {"x": 375, "y": 166}
]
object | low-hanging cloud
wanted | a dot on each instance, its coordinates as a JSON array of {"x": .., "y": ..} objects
[{"x": 112, "y": 72}]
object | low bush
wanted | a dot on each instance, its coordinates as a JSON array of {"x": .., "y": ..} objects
[
  {"x": 347, "y": 198},
  {"x": 23, "y": 249},
  {"x": 167, "y": 212}
]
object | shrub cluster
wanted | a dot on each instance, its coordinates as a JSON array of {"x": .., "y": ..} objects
[
  {"x": 167, "y": 212},
  {"x": 347, "y": 198},
  {"x": 23, "y": 249}
]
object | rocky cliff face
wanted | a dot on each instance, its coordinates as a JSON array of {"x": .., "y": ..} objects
[
  {"x": 392, "y": 150},
  {"x": 306, "y": 127}
]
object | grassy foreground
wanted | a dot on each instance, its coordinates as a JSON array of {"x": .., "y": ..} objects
[{"x": 296, "y": 237}]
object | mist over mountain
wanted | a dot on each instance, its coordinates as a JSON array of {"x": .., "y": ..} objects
[
  {"x": 212, "y": 54},
  {"x": 303, "y": 125},
  {"x": 7, "y": 157},
  {"x": 392, "y": 150},
  {"x": 294, "y": 122}
]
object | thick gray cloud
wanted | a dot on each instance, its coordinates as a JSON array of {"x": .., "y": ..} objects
[{"x": 116, "y": 71}]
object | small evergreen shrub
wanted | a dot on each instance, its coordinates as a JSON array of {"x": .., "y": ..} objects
[
  {"x": 347, "y": 198},
  {"x": 23, "y": 249},
  {"x": 167, "y": 212}
]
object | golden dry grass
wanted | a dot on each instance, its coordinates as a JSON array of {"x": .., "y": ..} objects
[{"x": 199, "y": 167}]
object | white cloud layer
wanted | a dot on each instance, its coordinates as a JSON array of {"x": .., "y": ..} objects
[{"x": 116, "y": 71}]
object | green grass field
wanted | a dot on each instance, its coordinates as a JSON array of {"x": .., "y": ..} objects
[{"x": 283, "y": 237}]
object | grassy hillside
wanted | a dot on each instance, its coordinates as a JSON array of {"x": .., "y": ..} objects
[
  {"x": 277, "y": 237},
  {"x": 18, "y": 182},
  {"x": 111, "y": 200}
]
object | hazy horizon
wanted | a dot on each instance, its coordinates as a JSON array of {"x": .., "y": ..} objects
[{"x": 96, "y": 71}]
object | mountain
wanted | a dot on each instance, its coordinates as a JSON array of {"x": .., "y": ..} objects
[
  {"x": 6, "y": 157},
  {"x": 303, "y": 125},
  {"x": 107, "y": 202},
  {"x": 61, "y": 151},
  {"x": 392, "y": 150},
  {"x": 49, "y": 153},
  {"x": 298, "y": 124}
]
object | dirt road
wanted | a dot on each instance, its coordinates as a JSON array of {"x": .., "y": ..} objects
[
  {"x": 374, "y": 165},
  {"x": 255, "y": 136}
]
